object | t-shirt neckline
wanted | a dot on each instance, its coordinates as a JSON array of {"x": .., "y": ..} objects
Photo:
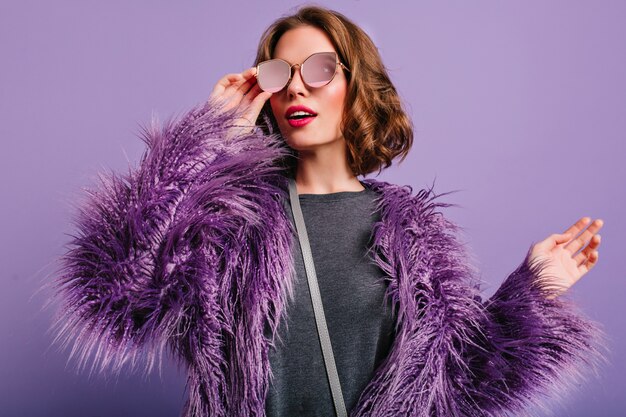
[{"x": 339, "y": 195}]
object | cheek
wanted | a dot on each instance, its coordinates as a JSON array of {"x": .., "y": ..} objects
[{"x": 336, "y": 98}]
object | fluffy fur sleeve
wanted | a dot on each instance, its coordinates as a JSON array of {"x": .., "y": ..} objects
[
  {"x": 130, "y": 279},
  {"x": 456, "y": 354},
  {"x": 498, "y": 357}
]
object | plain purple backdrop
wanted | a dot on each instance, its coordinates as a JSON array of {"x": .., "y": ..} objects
[{"x": 521, "y": 105}]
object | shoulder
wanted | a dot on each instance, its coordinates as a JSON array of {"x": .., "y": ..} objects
[{"x": 409, "y": 204}]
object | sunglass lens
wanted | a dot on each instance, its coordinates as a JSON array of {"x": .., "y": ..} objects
[
  {"x": 319, "y": 69},
  {"x": 273, "y": 75}
]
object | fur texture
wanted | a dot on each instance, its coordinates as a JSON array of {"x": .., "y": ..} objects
[{"x": 191, "y": 252}]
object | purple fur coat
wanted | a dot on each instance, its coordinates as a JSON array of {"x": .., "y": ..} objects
[{"x": 191, "y": 251}]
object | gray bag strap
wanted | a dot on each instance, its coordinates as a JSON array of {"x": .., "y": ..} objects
[{"x": 322, "y": 329}]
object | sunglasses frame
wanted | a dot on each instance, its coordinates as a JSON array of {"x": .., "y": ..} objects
[{"x": 291, "y": 72}]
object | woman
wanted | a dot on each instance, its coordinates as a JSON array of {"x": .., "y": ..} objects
[{"x": 196, "y": 250}]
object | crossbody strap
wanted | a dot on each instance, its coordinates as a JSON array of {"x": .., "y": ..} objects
[{"x": 320, "y": 320}]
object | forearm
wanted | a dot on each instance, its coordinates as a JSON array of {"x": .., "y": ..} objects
[
  {"x": 118, "y": 282},
  {"x": 530, "y": 347}
]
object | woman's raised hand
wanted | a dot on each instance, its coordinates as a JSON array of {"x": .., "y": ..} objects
[
  {"x": 564, "y": 265},
  {"x": 241, "y": 92}
]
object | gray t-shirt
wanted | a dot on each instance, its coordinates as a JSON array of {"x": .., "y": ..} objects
[{"x": 359, "y": 318}]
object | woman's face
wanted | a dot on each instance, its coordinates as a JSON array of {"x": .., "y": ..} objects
[{"x": 294, "y": 46}]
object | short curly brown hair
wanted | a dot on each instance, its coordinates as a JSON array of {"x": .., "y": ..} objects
[{"x": 374, "y": 124}]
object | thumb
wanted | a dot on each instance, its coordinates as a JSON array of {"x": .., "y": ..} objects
[
  {"x": 562, "y": 238},
  {"x": 256, "y": 105}
]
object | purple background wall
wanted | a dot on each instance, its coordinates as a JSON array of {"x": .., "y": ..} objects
[{"x": 522, "y": 105}]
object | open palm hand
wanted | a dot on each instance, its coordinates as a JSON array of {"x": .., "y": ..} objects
[{"x": 565, "y": 264}]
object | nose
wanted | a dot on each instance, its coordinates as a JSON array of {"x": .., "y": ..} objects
[{"x": 296, "y": 85}]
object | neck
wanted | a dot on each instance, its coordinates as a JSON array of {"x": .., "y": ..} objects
[{"x": 325, "y": 171}]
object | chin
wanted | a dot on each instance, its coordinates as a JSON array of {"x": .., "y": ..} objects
[
  {"x": 302, "y": 144},
  {"x": 308, "y": 143}
]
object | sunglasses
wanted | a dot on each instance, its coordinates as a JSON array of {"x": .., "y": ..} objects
[{"x": 317, "y": 70}]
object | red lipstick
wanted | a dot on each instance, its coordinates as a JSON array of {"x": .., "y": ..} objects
[{"x": 303, "y": 116}]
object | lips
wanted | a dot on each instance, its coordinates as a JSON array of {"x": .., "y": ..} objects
[
  {"x": 300, "y": 122},
  {"x": 294, "y": 109}
]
